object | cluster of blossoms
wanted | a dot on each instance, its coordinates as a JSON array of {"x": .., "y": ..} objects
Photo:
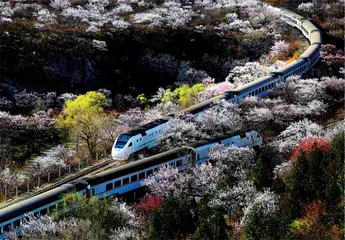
[
  {"x": 38, "y": 121},
  {"x": 306, "y": 7},
  {"x": 244, "y": 197},
  {"x": 32, "y": 100},
  {"x": 171, "y": 12},
  {"x": 297, "y": 99},
  {"x": 7, "y": 177},
  {"x": 251, "y": 71},
  {"x": 55, "y": 157},
  {"x": 279, "y": 47}
]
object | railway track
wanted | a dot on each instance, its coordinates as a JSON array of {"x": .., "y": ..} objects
[{"x": 90, "y": 171}]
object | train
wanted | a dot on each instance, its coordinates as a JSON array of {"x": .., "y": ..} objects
[
  {"x": 122, "y": 179},
  {"x": 148, "y": 136}
]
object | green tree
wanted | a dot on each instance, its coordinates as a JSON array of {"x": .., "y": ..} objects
[
  {"x": 142, "y": 99},
  {"x": 335, "y": 181},
  {"x": 100, "y": 215},
  {"x": 260, "y": 226},
  {"x": 307, "y": 180},
  {"x": 187, "y": 95},
  {"x": 169, "y": 96},
  {"x": 210, "y": 223},
  {"x": 262, "y": 173},
  {"x": 82, "y": 119},
  {"x": 171, "y": 220}
]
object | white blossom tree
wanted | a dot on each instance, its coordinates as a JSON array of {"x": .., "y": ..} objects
[
  {"x": 200, "y": 181},
  {"x": 236, "y": 159},
  {"x": 288, "y": 139},
  {"x": 221, "y": 118}
]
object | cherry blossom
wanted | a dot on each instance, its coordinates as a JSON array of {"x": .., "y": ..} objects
[{"x": 306, "y": 7}]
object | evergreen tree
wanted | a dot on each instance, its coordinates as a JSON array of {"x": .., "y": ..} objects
[
  {"x": 259, "y": 226},
  {"x": 210, "y": 224},
  {"x": 171, "y": 220},
  {"x": 262, "y": 173}
]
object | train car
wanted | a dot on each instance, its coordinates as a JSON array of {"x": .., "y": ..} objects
[
  {"x": 130, "y": 176},
  {"x": 251, "y": 139},
  {"x": 11, "y": 217},
  {"x": 292, "y": 18},
  {"x": 257, "y": 88},
  {"x": 144, "y": 137},
  {"x": 126, "y": 143},
  {"x": 297, "y": 67},
  {"x": 196, "y": 109},
  {"x": 307, "y": 28}
]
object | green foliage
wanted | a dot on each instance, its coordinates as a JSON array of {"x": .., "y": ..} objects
[
  {"x": 142, "y": 99},
  {"x": 169, "y": 96},
  {"x": 278, "y": 185},
  {"x": 186, "y": 95},
  {"x": 99, "y": 215},
  {"x": 171, "y": 220},
  {"x": 211, "y": 224},
  {"x": 262, "y": 173},
  {"x": 259, "y": 226},
  {"x": 81, "y": 119}
]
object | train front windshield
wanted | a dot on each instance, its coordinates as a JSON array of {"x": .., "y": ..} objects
[{"x": 121, "y": 141}]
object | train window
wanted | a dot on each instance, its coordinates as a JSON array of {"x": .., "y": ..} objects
[
  {"x": 44, "y": 212},
  {"x": 172, "y": 164},
  {"x": 7, "y": 228},
  {"x": 149, "y": 172},
  {"x": 93, "y": 192},
  {"x": 179, "y": 163},
  {"x": 134, "y": 178},
  {"x": 198, "y": 157},
  {"x": 137, "y": 140},
  {"x": 118, "y": 183},
  {"x": 142, "y": 175},
  {"x": 155, "y": 170},
  {"x": 130, "y": 145},
  {"x": 189, "y": 158},
  {"x": 36, "y": 214},
  {"x": 125, "y": 181},
  {"x": 109, "y": 186},
  {"x": 16, "y": 223}
]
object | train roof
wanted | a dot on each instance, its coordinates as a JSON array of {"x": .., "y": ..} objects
[
  {"x": 316, "y": 37},
  {"x": 142, "y": 129},
  {"x": 309, "y": 25},
  {"x": 201, "y": 106},
  {"x": 310, "y": 51},
  {"x": 292, "y": 14},
  {"x": 136, "y": 166},
  {"x": 287, "y": 68},
  {"x": 254, "y": 84},
  {"x": 217, "y": 139},
  {"x": 38, "y": 201}
]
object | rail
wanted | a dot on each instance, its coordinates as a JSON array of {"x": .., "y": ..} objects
[{"x": 59, "y": 183}]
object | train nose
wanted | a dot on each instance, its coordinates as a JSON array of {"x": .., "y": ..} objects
[{"x": 117, "y": 154}]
